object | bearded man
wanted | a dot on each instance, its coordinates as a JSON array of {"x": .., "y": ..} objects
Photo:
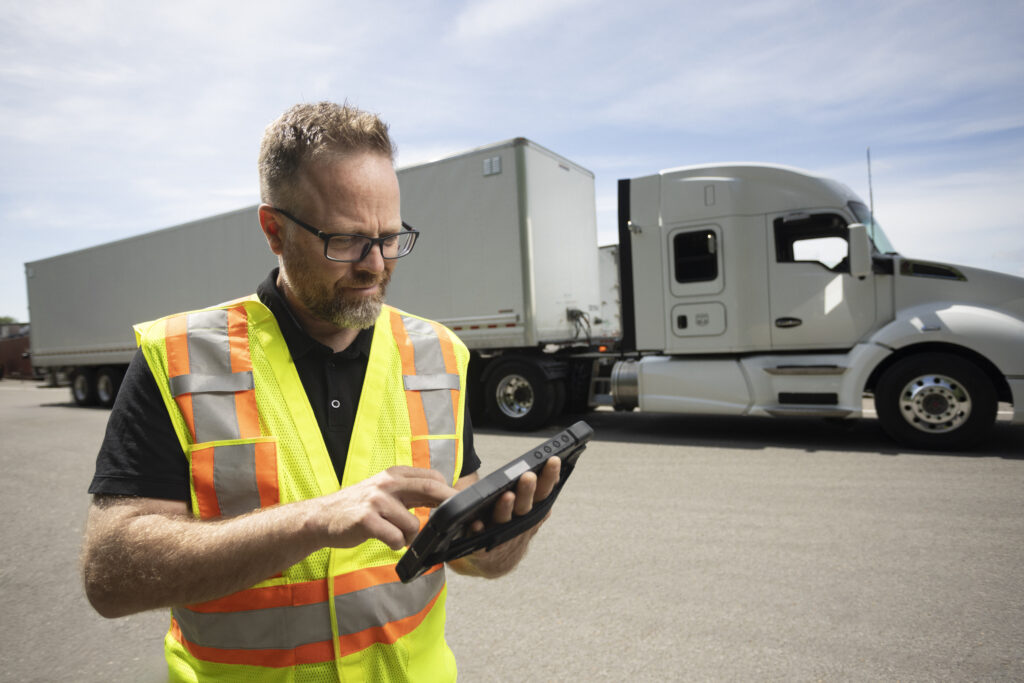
[{"x": 267, "y": 459}]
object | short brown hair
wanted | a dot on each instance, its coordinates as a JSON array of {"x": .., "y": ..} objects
[{"x": 307, "y": 132}]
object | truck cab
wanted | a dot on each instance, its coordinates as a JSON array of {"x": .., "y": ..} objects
[{"x": 764, "y": 290}]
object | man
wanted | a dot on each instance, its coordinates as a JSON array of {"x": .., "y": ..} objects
[{"x": 263, "y": 455}]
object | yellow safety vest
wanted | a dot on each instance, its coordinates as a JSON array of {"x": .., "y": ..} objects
[{"x": 252, "y": 441}]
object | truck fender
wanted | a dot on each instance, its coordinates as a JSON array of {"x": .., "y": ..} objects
[{"x": 993, "y": 334}]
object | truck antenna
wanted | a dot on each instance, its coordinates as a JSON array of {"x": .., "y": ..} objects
[{"x": 871, "y": 198}]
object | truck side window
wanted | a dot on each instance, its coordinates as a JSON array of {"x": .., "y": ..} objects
[
  {"x": 821, "y": 239},
  {"x": 696, "y": 256}
]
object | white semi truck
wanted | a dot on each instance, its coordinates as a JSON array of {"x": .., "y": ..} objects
[{"x": 734, "y": 290}]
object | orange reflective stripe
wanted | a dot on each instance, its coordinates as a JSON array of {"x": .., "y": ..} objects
[
  {"x": 238, "y": 339},
  {"x": 367, "y": 578},
  {"x": 202, "y": 482},
  {"x": 245, "y": 401},
  {"x": 265, "y": 597},
  {"x": 266, "y": 474},
  {"x": 421, "y": 454},
  {"x": 176, "y": 343},
  {"x": 417, "y": 416}
]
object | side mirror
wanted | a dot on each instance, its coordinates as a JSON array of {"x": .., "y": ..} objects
[{"x": 860, "y": 250}]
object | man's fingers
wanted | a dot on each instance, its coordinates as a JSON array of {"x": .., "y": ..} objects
[
  {"x": 525, "y": 488},
  {"x": 418, "y": 487},
  {"x": 529, "y": 489},
  {"x": 403, "y": 527},
  {"x": 503, "y": 508},
  {"x": 548, "y": 478}
]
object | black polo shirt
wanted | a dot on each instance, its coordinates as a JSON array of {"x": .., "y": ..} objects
[{"x": 141, "y": 456}]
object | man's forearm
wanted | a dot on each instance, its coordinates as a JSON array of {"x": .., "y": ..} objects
[
  {"x": 142, "y": 553},
  {"x": 138, "y": 558}
]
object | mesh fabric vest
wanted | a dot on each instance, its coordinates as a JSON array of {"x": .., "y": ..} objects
[{"x": 252, "y": 441}]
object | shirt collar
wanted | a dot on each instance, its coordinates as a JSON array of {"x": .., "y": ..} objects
[{"x": 298, "y": 341}]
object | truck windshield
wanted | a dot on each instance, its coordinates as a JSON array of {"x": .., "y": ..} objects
[{"x": 878, "y": 236}]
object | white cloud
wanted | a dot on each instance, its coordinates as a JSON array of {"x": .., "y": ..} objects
[{"x": 488, "y": 18}]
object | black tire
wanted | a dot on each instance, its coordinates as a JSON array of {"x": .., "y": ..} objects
[
  {"x": 518, "y": 396},
  {"x": 108, "y": 382},
  {"x": 83, "y": 387},
  {"x": 558, "y": 405},
  {"x": 475, "y": 391},
  {"x": 935, "y": 401},
  {"x": 578, "y": 387}
]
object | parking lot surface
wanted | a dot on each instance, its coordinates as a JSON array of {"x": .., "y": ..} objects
[{"x": 682, "y": 549}]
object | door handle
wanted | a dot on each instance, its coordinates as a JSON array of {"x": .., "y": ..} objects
[{"x": 788, "y": 322}]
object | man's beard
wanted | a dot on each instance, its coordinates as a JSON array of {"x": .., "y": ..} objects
[{"x": 336, "y": 305}]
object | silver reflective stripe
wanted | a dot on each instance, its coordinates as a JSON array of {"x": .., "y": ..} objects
[
  {"x": 426, "y": 347},
  {"x": 429, "y": 359},
  {"x": 209, "y": 355},
  {"x": 193, "y": 383},
  {"x": 214, "y": 417},
  {"x": 428, "y": 382},
  {"x": 442, "y": 457},
  {"x": 437, "y": 408},
  {"x": 234, "y": 478},
  {"x": 272, "y": 628},
  {"x": 209, "y": 348},
  {"x": 379, "y": 605}
]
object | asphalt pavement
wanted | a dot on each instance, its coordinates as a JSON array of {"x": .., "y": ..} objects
[{"x": 682, "y": 549}]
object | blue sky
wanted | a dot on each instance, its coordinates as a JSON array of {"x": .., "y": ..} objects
[{"x": 118, "y": 118}]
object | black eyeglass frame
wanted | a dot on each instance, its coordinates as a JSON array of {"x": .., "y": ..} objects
[{"x": 370, "y": 241}]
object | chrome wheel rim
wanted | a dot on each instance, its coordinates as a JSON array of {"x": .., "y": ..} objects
[
  {"x": 81, "y": 387},
  {"x": 514, "y": 396},
  {"x": 935, "y": 404},
  {"x": 105, "y": 389}
]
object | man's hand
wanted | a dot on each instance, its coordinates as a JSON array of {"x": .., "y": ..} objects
[
  {"x": 378, "y": 507},
  {"x": 502, "y": 559},
  {"x": 529, "y": 491}
]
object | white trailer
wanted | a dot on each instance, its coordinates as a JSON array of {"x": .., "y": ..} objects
[
  {"x": 82, "y": 304},
  {"x": 741, "y": 290}
]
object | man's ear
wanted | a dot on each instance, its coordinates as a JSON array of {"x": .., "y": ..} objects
[{"x": 270, "y": 223}]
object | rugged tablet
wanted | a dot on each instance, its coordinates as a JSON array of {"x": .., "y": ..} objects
[{"x": 447, "y": 534}]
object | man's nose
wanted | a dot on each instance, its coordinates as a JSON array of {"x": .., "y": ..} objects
[{"x": 374, "y": 259}]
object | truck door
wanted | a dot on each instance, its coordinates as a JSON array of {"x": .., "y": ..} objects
[{"x": 814, "y": 301}]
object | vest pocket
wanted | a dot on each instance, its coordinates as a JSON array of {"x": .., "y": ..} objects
[{"x": 234, "y": 477}]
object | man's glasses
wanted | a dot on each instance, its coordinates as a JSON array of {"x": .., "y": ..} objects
[{"x": 347, "y": 248}]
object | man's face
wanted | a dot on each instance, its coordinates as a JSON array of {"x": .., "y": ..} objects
[{"x": 355, "y": 195}]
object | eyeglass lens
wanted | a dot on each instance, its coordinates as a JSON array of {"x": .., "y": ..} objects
[{"x": 356, "y": 247}]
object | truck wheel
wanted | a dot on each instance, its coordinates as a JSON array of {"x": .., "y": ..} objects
[
  {"x": 935, "y": 401},
  {"x": 518, "y": 396},
  {"x": 108, "y": 381},
  {"x": 83, "y": 387}
]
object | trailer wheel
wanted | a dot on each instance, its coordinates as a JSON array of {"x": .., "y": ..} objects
[
  {"x": 518, "y": 396},
  {"x": 83, "y": 387},
  {"x": 108, "y": 381},
  {"x": 935, "y": 401}
]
